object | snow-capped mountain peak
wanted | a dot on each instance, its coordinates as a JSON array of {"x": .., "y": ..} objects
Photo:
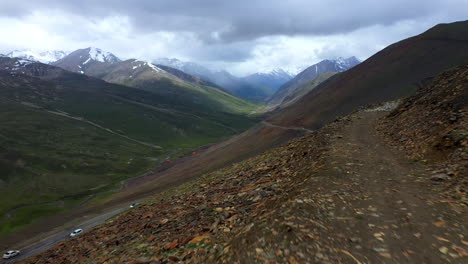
[
  {"x": 14, "y": 65},
  {"x": 276, "y": 73},
  {"x": 345, "y": 63},
  {"x": 171, "y": 62},
  {"x": 102, "y": 56},
  {"x": 48, "y": 56}
]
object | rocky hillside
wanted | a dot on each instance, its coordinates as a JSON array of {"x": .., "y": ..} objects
[
  {"x": 181, "y": 224},
  {"x": 317, "y": 199},
  {"x": 431, "y": 126}
]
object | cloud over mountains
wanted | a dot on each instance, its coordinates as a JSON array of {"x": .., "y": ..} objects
[{"x": 232, "y": 34}]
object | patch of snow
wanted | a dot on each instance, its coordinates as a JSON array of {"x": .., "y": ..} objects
[
  {"x": 87, "y": 61},
  {"x": 152, "y": 66},
  {"x": 343, "y": 64},
  {"x": 40, "y": 56},
  {"x": 276, "y": 74},
  {"x": 145, "y": 63},
  {"x": 19, "y": 63},
  {"x": 102, "y": 56}
]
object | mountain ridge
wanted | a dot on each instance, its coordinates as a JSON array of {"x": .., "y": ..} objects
[
  {"x": 271, "y": 81},
  {"x": 86, "y": 60},
  {"x": 47, "y": 57},
  {"x": 248, "y": 87},
  {"x": 397, "y": 70},
  {"x": 309, "y": 74}
]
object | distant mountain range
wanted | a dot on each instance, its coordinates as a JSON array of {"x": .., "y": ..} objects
[
  {"x": 270, "y": 80},
  {"x": 271, "y": 86},
  {"x": 257, "y": 87},
  {"x": 311, "y": 73},
  {"x": 92, "y": 61},
  {"x": 41, "y": 56}
]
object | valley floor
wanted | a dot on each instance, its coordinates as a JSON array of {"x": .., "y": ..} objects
[{"x": 338, "y": 195}]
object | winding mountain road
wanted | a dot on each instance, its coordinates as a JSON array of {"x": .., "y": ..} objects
[
  {"x": 61, "y": 236},
  {"x": 287, "y": 128}
]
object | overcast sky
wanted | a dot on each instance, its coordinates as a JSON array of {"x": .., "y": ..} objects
[{"x": 240, "y": 36}]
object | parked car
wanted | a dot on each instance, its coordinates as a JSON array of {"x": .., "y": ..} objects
[
  {"x": 76, "y": 232},
  {"x": 11, "y": 254}
]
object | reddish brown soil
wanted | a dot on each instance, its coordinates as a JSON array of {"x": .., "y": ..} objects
[
  {"x": 340, "y": 195},
  {"x": 432, "y": 127}
]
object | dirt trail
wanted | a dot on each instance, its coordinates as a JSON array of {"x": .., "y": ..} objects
[
  {"x": 64, "y": 114},
  {"x": 368, "y": 204},
  {"x": 288, "y": 128}
]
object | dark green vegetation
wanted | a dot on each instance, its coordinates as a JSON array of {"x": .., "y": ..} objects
[
  {"x": 67, "y": 136},
  {"x": 177, "y": 92},
  {"x": 45, "y": 157}
]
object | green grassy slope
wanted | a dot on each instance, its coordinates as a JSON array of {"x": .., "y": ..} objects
[
  {"x": 172, "y": 91},
  {"x": 45, "y": 157},
  {"x": 67, "y": 136}
]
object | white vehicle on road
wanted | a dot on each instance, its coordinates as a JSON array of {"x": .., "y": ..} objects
[
  {"x": 76, "y": 232},
  {"x": 11, "y": 254}
]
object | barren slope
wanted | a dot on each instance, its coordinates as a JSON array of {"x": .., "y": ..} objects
[
  {"x": 340, "y": 195},
  {"x": 394, "y": 72}
]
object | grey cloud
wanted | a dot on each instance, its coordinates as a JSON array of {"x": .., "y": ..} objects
[
  {"x": 243, "y": 34},
  {"x": 246, "y": 20},
  {"x": 233, "y": 52}
]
